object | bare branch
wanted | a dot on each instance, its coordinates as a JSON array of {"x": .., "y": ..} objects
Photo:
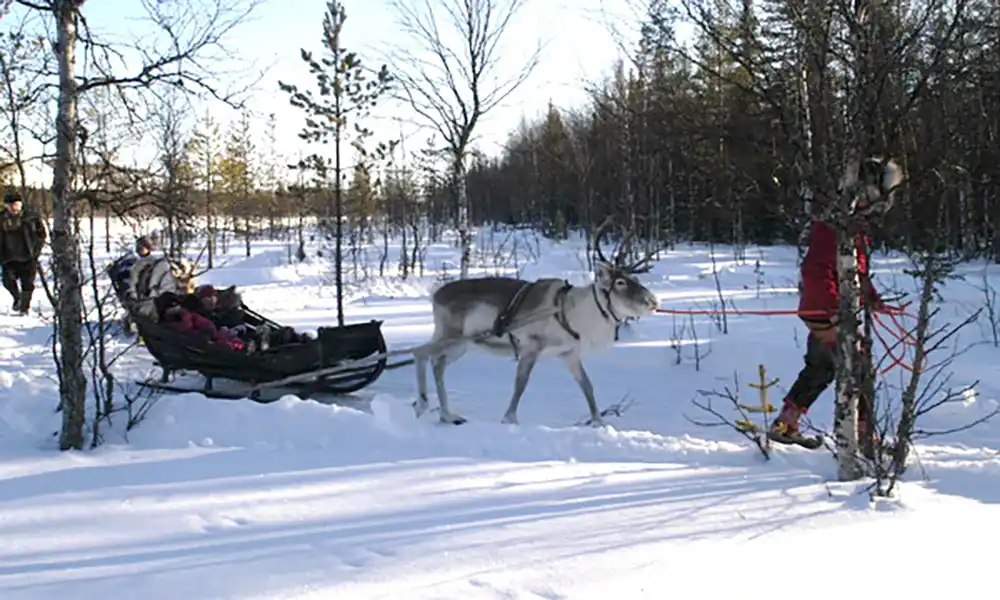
[
  {"x": 452, "y": 81},
  {"x": 195, "y": 33}
]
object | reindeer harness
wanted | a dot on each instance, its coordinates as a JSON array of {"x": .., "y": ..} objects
[{"x": 506, "y": 316}]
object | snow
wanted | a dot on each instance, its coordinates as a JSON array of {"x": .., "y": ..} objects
[{"x": 209, "y": 499}]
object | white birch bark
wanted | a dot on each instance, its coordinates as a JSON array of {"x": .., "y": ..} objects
[
  {"x": 65, "y": 236},
  {"x": 464, "y": 227},
  {"x": 848, "y": 386}
]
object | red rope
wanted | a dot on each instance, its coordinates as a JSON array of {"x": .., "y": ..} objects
[
  {"x": 801, "y": 313},
  {"x": 896, "y": 330},
  {"x": 896, "y": 362}
]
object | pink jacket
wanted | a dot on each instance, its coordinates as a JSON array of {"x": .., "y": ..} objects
[{"x": 192, "y": 322}]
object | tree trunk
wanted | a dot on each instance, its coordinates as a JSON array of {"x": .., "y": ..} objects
[
  {"x": 65, "y": 238},
  {"x": 246, "y": 237},
  {"x": 849, "y": 366},
  {"x": 462, "y": 196}
]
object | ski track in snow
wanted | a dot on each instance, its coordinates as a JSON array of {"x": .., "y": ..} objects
[{"x": 212, "y": 499}]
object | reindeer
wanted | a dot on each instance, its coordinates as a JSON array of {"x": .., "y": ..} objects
[
  {"x": 154, "y": 275},
  {"x": 619, "y": 254},
  {"x": 529, "y": 320}
]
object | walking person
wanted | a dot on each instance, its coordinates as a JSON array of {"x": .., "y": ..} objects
[
  {"x": 819, "y": 304},
  {"x": 22, "y": 236}
]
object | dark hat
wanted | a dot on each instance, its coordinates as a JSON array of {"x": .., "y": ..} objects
[
  {"x": 205, "y": 291},
  {"x": 11, "y": 197}
]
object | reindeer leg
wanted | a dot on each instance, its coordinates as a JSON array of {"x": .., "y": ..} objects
[
  {"x": 420, "y": 364},
  {"x": 421, "y": 355},
  {"x": 439, "y": 363},
  {"x": 525, "y": 364},
  {"x": 575, "y": 366}
]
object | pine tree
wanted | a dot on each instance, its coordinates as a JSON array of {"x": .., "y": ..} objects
[
  {"x": 206, "y": 153},
  {"x": 238, "y": 172},
  {"x": 346, "y": 91}
]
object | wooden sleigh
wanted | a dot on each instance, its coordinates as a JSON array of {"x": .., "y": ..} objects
[
  {"x": 355, "y": 353},
  {"x": 338, "y": 361}
]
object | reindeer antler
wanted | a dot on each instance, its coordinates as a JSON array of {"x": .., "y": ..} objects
[
  {"x": 599, "y": 235},
  {"x": 618, "y": 256}
]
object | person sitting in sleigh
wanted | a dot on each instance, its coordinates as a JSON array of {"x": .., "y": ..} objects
[
  {"x": 819, "y": 300},
  {"x": 172, "y": 314},
  {"x": 225, "y": 309}
]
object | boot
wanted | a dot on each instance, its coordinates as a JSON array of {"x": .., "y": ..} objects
[
  {"x": 23, "y": 304},
  {"x": 16, "y": 294},
  {"x": 787, "y": 422}
]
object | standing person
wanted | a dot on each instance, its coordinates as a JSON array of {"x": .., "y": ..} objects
[
  {"x": 22, "y": 236},
  {"x": 819, "y": 301}
]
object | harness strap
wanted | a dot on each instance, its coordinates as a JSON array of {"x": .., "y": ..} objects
[
  {"x": 560, "y": 302},
  {"x": 505, "y": 317},
  {"x": 608, "y": 313}
]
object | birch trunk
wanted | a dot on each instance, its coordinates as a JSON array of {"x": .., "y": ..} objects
[
  {"x": 65, "y": 238},
  {"x": 464, "y": 229},
  {"x": 849, "y": 366}
]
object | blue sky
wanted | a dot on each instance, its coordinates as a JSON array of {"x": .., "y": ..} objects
[{"x": 578, "y": 47}]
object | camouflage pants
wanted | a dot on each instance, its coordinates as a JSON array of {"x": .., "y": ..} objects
[{"x": 820, "y": 370}]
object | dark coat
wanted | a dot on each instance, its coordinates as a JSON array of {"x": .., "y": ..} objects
[{"x": 22, "y": 236}]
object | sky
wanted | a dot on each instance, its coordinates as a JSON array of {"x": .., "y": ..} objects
[{"x": 579, "y": 38}]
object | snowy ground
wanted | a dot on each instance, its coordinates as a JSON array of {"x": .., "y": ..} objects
[{"x": 214, "y": 499}]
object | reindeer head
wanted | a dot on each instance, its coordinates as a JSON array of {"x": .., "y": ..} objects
[
  {"x": 875, "y": 181},
  {"x": 616, "y": 279}
]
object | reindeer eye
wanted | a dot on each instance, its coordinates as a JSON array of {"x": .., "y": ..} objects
[{"x": 620, "y": 282}]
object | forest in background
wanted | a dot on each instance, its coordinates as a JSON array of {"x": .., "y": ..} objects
[{"x": 719, "y": 139}]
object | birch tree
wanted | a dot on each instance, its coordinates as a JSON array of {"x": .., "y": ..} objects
[
  {"x": 194, "y": 29},
  {"x": 450, "y": 70}
]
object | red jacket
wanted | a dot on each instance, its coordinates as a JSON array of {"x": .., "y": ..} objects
[
  {"x": 819, "y": 274},
  {"x": 191, "y": 322}
]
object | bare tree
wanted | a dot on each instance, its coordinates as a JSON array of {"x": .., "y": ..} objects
[
  {"x": 25, "y": 64},
  {"x": 176, "y": 172},
  {"x": 193, "y": 28},
  {"x": 454, "y": 86}
]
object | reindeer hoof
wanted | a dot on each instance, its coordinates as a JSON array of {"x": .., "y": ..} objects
[
  {"x": 509, "y": 419},
  {"x": 419, "y": 406},
  {"x": 596, "y": 422},
  {"x": 452, "y": 419}
]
